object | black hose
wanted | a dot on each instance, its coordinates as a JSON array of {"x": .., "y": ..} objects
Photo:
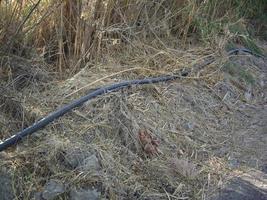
[
  {"x": 103, "y": 90},
  {"x": 237, "y": 50},
  {"x": 52, "y": 116}
]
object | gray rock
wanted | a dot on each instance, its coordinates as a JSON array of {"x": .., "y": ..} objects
[
  {"x": 82, "y": 160},
  {"x": 74, "y": 157},
  {"x": 82, "y": 194},
  {"x": 38, "y": 196},
  {"x": 52, "y": 189},
  {"x": 91, "y": 163},
  {"x": 249, "y": 186},
  {"x": 6, "y": 191}
]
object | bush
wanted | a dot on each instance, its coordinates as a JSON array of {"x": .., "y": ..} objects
[{"x": 73, "y": 30}]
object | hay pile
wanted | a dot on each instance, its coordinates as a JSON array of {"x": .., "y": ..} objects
[
  {"x": 193, "y": 124},
  {"x": 175, "y": 140}
]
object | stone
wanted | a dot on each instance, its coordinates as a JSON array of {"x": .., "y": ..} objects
[
  {"x": 82, "y": 194},
  {"x": 52, "y": 189},
  {"x": 37, "y": 196},
  {"x": 74, "y": 158},
  {"x": 184, "y": 167},
  {"x": 90, "y": 163},
  {"x": 6, "y": 191},
  {"x": 248, "y": 186}
]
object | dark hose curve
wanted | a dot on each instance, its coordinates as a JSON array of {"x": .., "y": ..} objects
[
  {"x": 103, "y": 90},
  {"x": 237, "y": 50},
  {"x": 54, "y": 115}
]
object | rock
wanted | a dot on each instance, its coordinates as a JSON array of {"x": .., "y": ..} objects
[
  {"x": 82, "y": 194},
  {"x": 74, "y": 158},
  {"x": 81, "y": 160},
  {"x": 52, "y": 189},
  {"x": 184, "y": 167},
  {"x": 248, "y": 186},
  {"x": 6, "y": 191},
  {"x": 38, "y": 196},
  {"x": 90, "y": 163}
]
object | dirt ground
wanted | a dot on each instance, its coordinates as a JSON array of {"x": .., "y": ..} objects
[{"x": 202, "y": 132}]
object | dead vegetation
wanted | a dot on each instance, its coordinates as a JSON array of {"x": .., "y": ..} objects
[
  {"x": 71, "y": 33},
  {"x": 176, "y": 140},
  {"x": 190, "y": 122}
]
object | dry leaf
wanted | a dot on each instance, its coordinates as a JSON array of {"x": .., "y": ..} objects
[{"x": 149, "y": 144}]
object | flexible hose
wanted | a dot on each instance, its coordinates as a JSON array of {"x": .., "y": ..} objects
[
  {"x": 237, "y": 50},
  {"x": 103, "y": 90}
]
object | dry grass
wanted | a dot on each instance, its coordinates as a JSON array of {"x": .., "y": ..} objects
[
  {"x": 193, "y": 118},
  {"x": 188, "y": 117},
  {"x": 71, "y": 33}
]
